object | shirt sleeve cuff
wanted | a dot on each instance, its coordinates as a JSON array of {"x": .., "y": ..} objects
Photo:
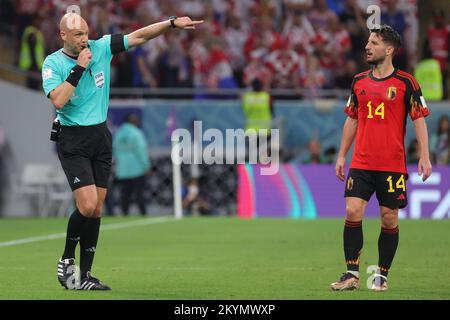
[
  {"x": 351, "y": 112},
  {"x": 125, "y": 42}
]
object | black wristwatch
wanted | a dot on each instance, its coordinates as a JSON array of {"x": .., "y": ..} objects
[{"x": 172, "y": 21}]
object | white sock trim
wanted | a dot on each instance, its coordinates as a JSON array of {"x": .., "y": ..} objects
[
  {"x": 377, "y": 275},
  {"x": 355, "y": 273}
]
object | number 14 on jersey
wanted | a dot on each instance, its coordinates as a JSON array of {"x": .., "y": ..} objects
[{"x": 379, "y": 110}]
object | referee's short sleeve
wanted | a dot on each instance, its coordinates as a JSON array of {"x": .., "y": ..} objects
[
  {"x": 119, "y": 43},
  {"x": 50, "y": 76}
]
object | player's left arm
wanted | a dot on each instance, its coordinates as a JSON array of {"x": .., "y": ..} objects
[
  {"x": 418, "y": 111},
  {"x": 140, "y": 36},
  {"x": 424, "y": 166}
]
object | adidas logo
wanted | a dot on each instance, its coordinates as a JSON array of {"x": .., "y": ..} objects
[
  {"x": 91, "y": 249},
  {"x": 362, "y": 93},
  {"x": 401, "y": 197},
  {"x": 76, "y": 180}
]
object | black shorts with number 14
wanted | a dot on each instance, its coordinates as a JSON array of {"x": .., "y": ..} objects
[{"x": 390, "y": 187}]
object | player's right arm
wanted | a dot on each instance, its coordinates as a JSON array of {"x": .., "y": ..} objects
[
  {"x": 348, "y": 132},
  {"x": 348, "y": 135},
  {"x": 60, "y": 94}
]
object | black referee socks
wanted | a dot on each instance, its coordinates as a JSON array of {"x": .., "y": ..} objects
[
  {"x": 74, "y": 229},
  {"x": 88, "y": 245}
]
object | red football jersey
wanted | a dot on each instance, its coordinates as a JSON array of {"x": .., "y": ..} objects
[{"x": 381, "y": 107}]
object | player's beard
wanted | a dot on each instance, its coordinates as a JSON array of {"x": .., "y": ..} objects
[{"x": 376, "y": 62}]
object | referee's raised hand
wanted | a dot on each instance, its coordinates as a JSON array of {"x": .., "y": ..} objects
[
  {"x": 186, "y": 23},
  {"x": 84, "y": 58}
]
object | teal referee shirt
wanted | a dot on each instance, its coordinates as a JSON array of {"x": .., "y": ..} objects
[{"x": 89, "y": 102}]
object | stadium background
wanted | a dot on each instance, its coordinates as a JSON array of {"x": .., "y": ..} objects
[{"x": 305, "y": 56}]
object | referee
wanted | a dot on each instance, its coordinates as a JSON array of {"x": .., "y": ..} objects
[{"x": 76, "y": 79}]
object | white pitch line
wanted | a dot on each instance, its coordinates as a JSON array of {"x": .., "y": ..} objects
[{"x": 114, "y": 226}]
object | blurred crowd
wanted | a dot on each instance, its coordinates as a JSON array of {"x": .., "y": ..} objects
[{"x": 287, "y": 44}]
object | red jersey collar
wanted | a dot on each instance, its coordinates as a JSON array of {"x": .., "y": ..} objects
[{"x": 382, "y": 79}]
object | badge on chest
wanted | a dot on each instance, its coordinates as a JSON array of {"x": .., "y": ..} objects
[
  {"x": 391, "y": 93},
  {"x": 99, "y": 79}
]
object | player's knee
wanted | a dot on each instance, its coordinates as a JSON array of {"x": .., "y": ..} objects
[
  {"x": 353, "y": 212},
  {"x": 389, "y": 220}
]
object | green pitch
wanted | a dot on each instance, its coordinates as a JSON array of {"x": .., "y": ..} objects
[{"x": 223, "y": 258}]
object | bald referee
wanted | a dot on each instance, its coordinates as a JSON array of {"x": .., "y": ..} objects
[{"x": 76, "y": 79}]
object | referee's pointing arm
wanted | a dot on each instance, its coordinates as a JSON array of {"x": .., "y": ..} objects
[
  {"x": 76, "y": 42},
  {"x": 144, "y": 34}
]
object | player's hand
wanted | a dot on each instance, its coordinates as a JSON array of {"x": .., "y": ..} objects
[
  {"x": 186, "y": 23},
  {"x": 340, "y": 168},
  {"x": 84, "y": 58},
  {"x": 424, "y": 168}
]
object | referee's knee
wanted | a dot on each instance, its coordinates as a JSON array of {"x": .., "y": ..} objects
[
  {"x": 97, "y": 211},
  {"x": 87, "y": 207}
]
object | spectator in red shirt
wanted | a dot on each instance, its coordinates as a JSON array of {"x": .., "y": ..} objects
[
  {"x": 219, "y": 71},
  {"x": 263, "y": 36},
  {"x": 314, "y": 78},
  {"x": 256, "y": 69},
  {"x": 284, "y": 64},
  {"x": 332, "y": 45},
  {"x": 299, "y": 33}
]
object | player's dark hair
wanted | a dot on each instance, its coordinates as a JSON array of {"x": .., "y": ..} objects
[{"x": 389, "y": 36}]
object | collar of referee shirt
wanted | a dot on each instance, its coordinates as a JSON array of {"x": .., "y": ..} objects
[
  {"x": 70, "y": 56},
  {"x": 75, "y": 58}
]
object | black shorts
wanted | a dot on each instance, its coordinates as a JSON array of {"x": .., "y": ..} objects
[
  {"x": 390, "y": 187},
  {"x": 85, "y": 153}
]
